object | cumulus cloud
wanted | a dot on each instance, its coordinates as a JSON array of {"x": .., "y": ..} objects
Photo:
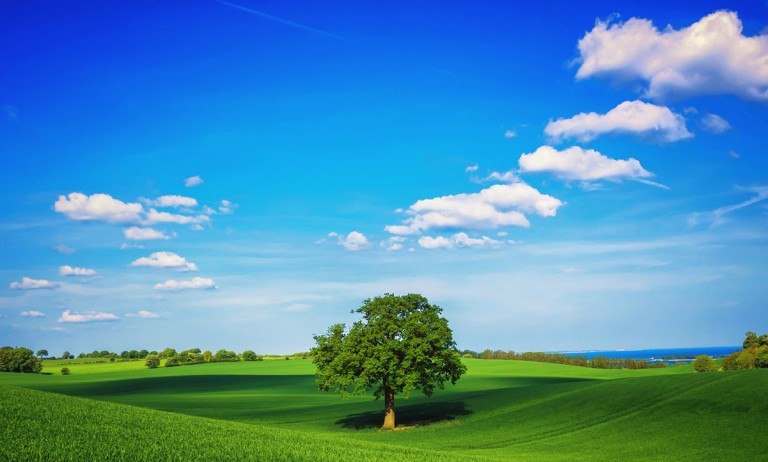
[
  {"x": 493, "y": 207},
  {"x": 631, "y": 117},
  {"x": 715, "y": 124},
  {"x": 86, "y": 316},
  {"x": 711, "y": 56},
  {"x": 226, "y": 207},
  {"x": 154, "y": 217},
  {"x": 102, "y": 207},
  {"x": 33, "y": 284},
  {"x": 575, "y": 163},
  {"x": 135, "y": 233},
  {"x": 165, "y": 260},
  {"x": 32, "y": 314},
  {"x": 458, "y": 240},
  {"x": 67, "y": 270},
  {"x": 193, "y": 181},
  {"x": 353, "y": 241},
  {"x": 194, "y": 283},
  {"x": 173, "y": 201},
  {"x": 393, "y": 243},
  {"x": 143, "y": 314}
]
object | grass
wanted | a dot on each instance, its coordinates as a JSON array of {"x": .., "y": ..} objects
[{"x": 500, "y": 410}]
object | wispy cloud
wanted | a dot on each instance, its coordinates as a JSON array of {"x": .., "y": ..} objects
[
  {"x": 280, "y": 20},
  {"x": 194, "y": 283},
  {"x": 717, "y": 217}
]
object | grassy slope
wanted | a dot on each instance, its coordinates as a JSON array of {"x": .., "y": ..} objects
[{"x": 500, "y": 409}]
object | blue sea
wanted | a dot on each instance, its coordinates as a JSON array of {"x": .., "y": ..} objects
[{"x": 659, "y": 354}]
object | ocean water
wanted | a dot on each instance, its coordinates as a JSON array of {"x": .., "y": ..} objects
[{"x": 656, "y": 354}]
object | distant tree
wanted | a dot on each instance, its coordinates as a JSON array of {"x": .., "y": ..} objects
[
  {"x": 225, "y": 355},
  {"x": 249, "y": 355},
  {"x": 194, "y": 350},
  {"x": 751, "y": 340},
  {"x": 143, "y": 354},
  {"x": 763, "y": 340},
  {"x": 42, "y": 353},
  {"x": 65, "y": 371},
  {"x": 19, "y": 360},
  {"x": 172, "y": 361},
  {"x": 704, "y": 363},
  {"x": 207, "y": 356},
  {"x": 152, "y": 361},
  {"x": 168, "y": 352},
  {"x": 133, "y": 354},
  {"x": 65, "y": 355},
  {"x": 402, "y": 345},
  {"x": 124, "y": 354}
]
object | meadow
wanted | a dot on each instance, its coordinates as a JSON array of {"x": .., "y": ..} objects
[{"x": 271, "y": 410}]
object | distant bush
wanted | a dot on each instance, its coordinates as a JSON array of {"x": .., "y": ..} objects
[
  {"x": 152, "y": 361},
  {"x": 19, "y": 360},
  {"x": 172, "y": 361},
  {"x": 704, "y": 363},
  {"x": 658, "y": 365},
  {"x": 249, "y": 355},
  {"x": 65, "y": 371},
  {"x": 225, "y": 356},
  {"x": 754, "y": 354}
]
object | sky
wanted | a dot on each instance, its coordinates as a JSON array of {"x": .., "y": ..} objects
[{"x": 242, "y": 174}]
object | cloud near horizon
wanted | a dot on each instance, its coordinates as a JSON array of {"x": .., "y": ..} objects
[
  {"x": 630, "y": 117},
  {"x": 709, "y": 57},
  {"x": 458, "y": 240},
  {"x": 165, "y": 260},
  {"x": 496, "y": 206},
  {"x": 67, "y": 270},
  {"x": 196, "y": 283},
  {"x": 86, "y": 316},
  {"x": 33, "y": 284},
  {"x": 32, "y": 314}
]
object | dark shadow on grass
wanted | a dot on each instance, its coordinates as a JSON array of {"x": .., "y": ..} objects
[{"x": 408, "y": 416}]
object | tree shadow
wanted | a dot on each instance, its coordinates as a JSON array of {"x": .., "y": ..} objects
[{"x": 408, "y": 416}]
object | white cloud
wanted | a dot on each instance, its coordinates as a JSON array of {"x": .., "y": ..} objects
[
  {"x": 194, "y": 283},
  {"x": 67, "y": 270},
  {"x": 33, "y": 284},
  {"x": 226, "y": 207},
  {"x": 715, "y": 124},
  {"x": 165, "y": 260},
  {"x": 32, "y": 314},
  {"x": 506, "y": 177},
  {"x": 493, "y": 207},
  {"x": 575, "y": 163},
  {"x": 633, "y": 117},
  {"x": 126, "y": 246},
  {"x": 393, "y": 243},
  {"x": 64, "y": 249},
  {"x": 711, "y": 56},
  {"x": 193, "y": 181},
  {"x": 458, "y": 240},
  {"x": 471, "y": 168},
  {"x": 509, "y": 134},
  {"x": 144, "y": 234},
  {"x": 173, "y": 201},
  {"x": 144, "y": 314},
  {"x": 86, "y": 316},
  {"x": 353, "y": 241},
  {"x": 717, "y": 217},
  {"x": 103, "y": 207},
  {"x": 153, "y": 217}
]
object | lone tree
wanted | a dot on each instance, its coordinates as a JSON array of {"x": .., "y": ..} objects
[
  {"x": 41, "y": 353},
  {"x": 401, "y": 345}
]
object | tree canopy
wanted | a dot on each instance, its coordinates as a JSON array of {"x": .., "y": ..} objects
[{"x": 401, "y": 345}]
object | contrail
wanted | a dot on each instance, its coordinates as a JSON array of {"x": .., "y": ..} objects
[{"x": 280, "y": 20}]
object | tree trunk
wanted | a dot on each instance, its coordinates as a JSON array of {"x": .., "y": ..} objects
[{"x": 389, "y": 409}]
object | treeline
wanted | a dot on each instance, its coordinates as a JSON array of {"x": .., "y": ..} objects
[
  {"x": 598, "y": 362},
  {"x": 753, "y": 356},
  {"x": 19, "y": 360},
  {"x": 195, "y": 356}
]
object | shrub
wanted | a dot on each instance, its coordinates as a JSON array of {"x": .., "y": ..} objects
[
  {"x": 704, "y": 363},
  {"x": 152, "y": 361},
  {"x": 65, "y": 371},
  {"x": 172, "y": 362},
  {"x": 249, "y": 355}
]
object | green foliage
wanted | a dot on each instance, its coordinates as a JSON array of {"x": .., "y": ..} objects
[
  {"x": 402, "y": 345},
  {"x": 168, "y": 353},
  {"x": 65, "y": 355},
  {"x": 42, "y": 353},
  {"x": 19, "y": 360},
  {"x": 225, "y": 356},
  {"x": 65, "y": 371},
  {"x": 704, "y": 363},
  {"x": 173, "y": 361},
  {"x": 249, "y": 355},
  {"x": 152, "y": 361},
  {"x": 207, "y": 356},
  {"x": 751, "y": 341},
  {"x": 754, "y": 354}
]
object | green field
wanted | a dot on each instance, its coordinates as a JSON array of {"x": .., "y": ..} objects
[{"x": 500, "y": 410}]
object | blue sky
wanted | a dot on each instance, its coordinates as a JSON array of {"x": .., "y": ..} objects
[{"x": 242, "y": 174}]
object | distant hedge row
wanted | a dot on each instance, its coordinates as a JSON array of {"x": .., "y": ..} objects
[{"x": 598, "y": 362}]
